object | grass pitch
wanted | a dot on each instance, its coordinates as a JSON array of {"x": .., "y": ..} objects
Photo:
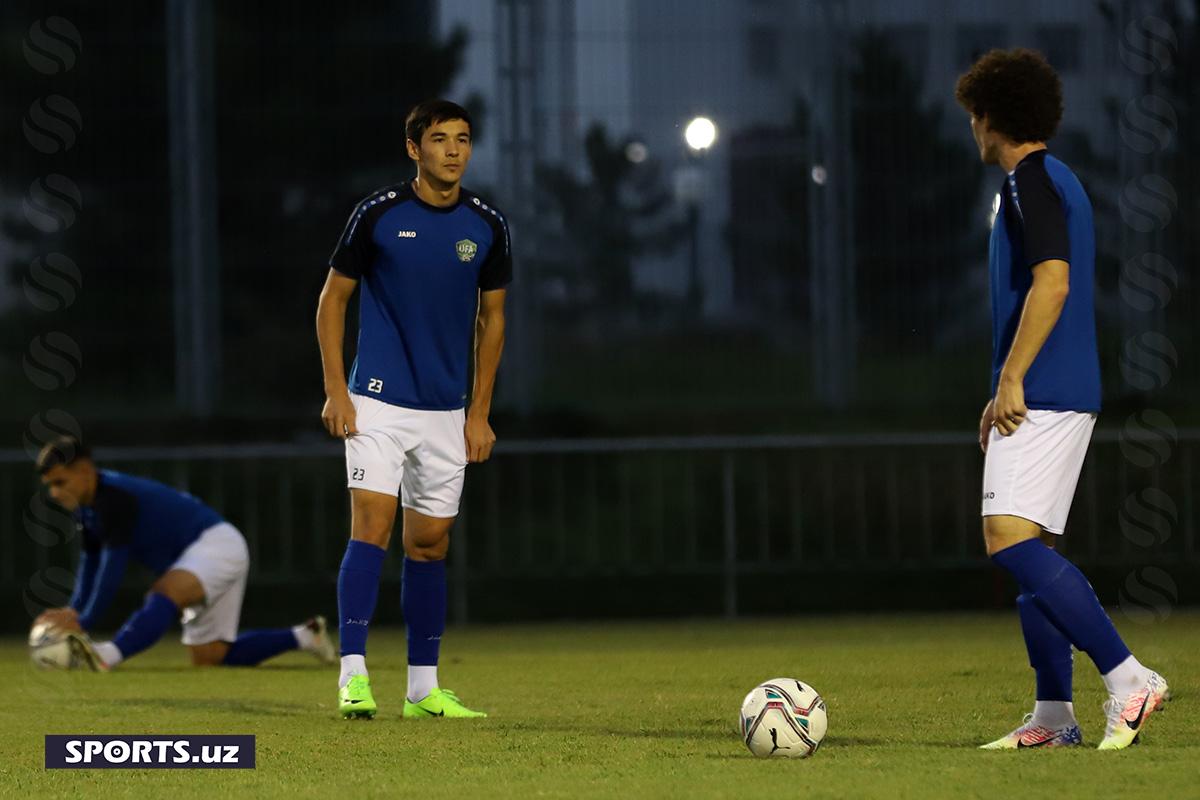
[{"x": 621, "y": 710}]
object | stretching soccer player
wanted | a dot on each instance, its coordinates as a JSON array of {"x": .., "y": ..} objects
[
  {"x": 432, "y": 260},
  {"x": 1045, "y": 396},
  {"x": 200, "y": 561}
]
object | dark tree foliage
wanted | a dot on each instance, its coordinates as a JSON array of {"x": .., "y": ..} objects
[
  {"x": 618, "y": 211},
  {"x": 309, "y": 98},
  {"x": 916, "y": 193},
  {"x": 1179, "y": 84},
  {"x": 311, "y": 109},
  {"x": 107, "y": 62}
]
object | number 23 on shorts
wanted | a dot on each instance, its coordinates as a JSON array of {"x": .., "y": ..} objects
[{"x": 357, "y": 474}]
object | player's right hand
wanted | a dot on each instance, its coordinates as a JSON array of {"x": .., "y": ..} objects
[
  {"x": 986, "y": 421},
  {"x": 65, "y": 618},
  {"x": 339, "y": 417}
]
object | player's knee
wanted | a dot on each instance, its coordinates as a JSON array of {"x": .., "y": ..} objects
[
  {"x": 373, "y": 525},
  {"x": 373, "y": 528},
  {"x": 1001, "y": 532},
  {"x": 427, "y": 552},
  {"x": 179, "y": 589},
  {"x": 430, "y": 545},
  {"x": 209, "y": 655}
]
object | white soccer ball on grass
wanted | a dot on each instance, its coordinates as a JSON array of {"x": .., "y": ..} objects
[
  {"x": 51, "y": 648},
  {"x": 783, "y": 718}
]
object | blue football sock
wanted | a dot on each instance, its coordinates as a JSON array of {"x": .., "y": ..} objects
[
  {"x": 357, "y": 589},
  {"x": 1067, "y": 599},
  {"x": 146, "y": 626},
  {"x": 423, "y": 597},
  {"x": 253, "y": 647},
  {"x": 1049, "y": 651}
]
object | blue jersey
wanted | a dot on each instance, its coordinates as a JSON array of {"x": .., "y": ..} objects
[
  {"x": 131, "y": 518},
  {"x": 421, "y": 269},
  {"x": 1045, "y": 214}
]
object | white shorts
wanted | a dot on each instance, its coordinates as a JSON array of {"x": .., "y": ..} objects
[
  {"x": 420, "y": 456},
  {"x": 1032, "y": 474},
  {"x": 220, "y": 560}
]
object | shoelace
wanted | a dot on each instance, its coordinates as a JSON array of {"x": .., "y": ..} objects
[{"x": 1024, "y": 726}]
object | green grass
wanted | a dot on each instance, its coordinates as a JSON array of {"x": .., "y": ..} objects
[{"x": 631, "y": 710}]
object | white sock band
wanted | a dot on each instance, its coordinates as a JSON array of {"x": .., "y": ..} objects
[
  {"x": 109, "y": 653},
  {"x": 421, "y": 681},
  {"x": 304, "y": 636},
  {"x": 1126, "y": 677},
  {"x": 352, "y": 665}
]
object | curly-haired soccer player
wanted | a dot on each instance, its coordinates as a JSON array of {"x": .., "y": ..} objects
[{"x": 1045, "y": 395}]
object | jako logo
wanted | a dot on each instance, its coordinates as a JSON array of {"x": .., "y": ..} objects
[{"x": 406, "y": 235}]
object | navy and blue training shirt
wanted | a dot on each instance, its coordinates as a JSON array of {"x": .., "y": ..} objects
[
  {"x": 131, "y": 518},
  {"x": 1045, "y": 214},
  {"x": 420, "y": 269}
]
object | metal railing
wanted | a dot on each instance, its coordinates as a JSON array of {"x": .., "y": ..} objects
[{"x": 713, "y": 508}]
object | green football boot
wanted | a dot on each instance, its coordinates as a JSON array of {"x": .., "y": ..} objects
[
  {"x": 439, "y": 703},
  {"x": 355, "y": 700}
]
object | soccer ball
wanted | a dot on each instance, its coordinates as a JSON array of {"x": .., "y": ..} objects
[
  {"x": 783, "y": 717},
  {"x": 51, "y": 648}
]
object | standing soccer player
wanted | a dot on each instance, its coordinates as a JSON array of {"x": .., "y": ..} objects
[
  {"x": 1045, "y": 396},
  {"x": 433, "y": 261}
]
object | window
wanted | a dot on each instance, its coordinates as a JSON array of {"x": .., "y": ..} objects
[
  {"x": 762, "y": 50},
  {"x": 972, "y": 41},
  {"x": 1060, "y": 44}
]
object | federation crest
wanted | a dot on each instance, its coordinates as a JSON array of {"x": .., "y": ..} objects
[{"x": 466, "y": 250}]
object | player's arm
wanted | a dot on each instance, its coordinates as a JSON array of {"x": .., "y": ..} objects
[
  {"x": 67, "y": 617},
  {"x": 85, "y": 578},
  {"x": 1043, "y": 306},
  {"x": 109, "y": 573},
  {"x": 1047, "y": 248},
  {"x": 489, "y": 344},
  {"x": 338, "y": 414}
]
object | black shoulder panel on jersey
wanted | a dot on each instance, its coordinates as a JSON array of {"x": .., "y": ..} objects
[
  {"x": 497, "y": 269},
  {"x": 1043, "y": 218},
  {"x": 116, "y": 514},
  {"x": 354, "y": 252}
]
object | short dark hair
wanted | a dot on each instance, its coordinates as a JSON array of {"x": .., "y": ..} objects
[
  {"x": 1018, "y": 92},
  {"x": 61, "y": 450},
  {"x": 431, "y": 112}
]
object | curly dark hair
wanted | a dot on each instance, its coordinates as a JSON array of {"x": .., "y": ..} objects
[{"x": 1018, "y": 92}]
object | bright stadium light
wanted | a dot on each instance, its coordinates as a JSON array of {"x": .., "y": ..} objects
[{"x": 700, "y": 134}]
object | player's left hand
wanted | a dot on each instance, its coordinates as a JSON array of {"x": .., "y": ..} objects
[
  {"x": 66, "y": 619},
  {"x": 480, "y": 439},
  {"x": 1009, "y": 406}
]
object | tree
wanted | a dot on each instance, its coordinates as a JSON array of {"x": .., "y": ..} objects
[
  {"x": 311, "y": 110},
  {"x": 915, "y": 196},
  {"x": 310, "y": 103},
  {"x": 620, "y": 210}
]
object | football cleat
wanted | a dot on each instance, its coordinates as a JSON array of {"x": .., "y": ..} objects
[
  {"x": 322, "y": 646},
  {"x": 83, "y": 654},
  {"x": 1127, "y": 716},
  {"x": 355, "y": 700},
  {"x": 439, "y": 703},
  {"x": 1030, "y": 735}
]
